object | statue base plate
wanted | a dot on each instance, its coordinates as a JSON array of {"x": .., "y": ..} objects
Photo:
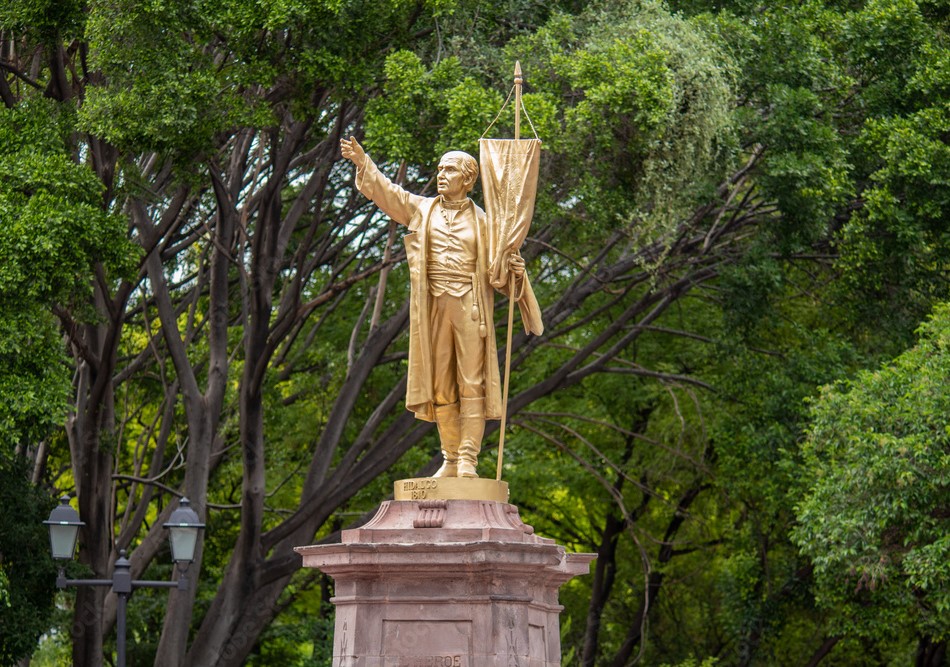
[{"x": 450, "y": 488}]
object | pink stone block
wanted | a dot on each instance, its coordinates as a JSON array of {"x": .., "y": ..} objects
[{"x": 461, "y": 583}]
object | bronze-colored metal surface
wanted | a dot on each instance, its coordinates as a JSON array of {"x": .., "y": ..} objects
[
  {"x": 450, "y": 488},
  {"x": 458, "y": 256}
]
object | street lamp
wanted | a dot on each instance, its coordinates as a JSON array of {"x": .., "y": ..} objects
[
  {"x": 64, "y": 526},
  {"x": 183, "y": 527},
  {"x": 183, "y": 530}
]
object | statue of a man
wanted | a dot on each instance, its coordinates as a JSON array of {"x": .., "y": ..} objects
[{"x": 453, "y": 361}]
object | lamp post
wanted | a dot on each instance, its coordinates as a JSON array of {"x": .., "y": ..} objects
[{"x": 183, "y": 527}]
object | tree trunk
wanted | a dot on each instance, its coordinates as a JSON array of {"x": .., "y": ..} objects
[
  {"x": 823, "y": 651},
  {"x": 655, "y": 579},
  {"x": 89, "y": 431},
  {"x": 931, "y": 653},
  {"x": 203, "y": 413},
  {"x": 605, "y": 568}
]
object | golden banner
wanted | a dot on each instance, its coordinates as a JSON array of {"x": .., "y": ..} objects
[{"x": 509, "y": 169}]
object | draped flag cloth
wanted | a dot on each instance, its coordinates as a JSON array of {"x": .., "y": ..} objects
[{"x": 509, "y": 170}]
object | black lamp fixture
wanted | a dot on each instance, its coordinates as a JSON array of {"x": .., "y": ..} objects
[
  {"x": 183, "y": 526},
  {"x": 64, "y": 527}
]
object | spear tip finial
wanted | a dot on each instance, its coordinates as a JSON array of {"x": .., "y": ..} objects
[{"x": 518, "y": 79}]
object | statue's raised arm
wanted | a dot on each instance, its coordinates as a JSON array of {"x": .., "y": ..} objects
[{"x": 396, "y": 202}]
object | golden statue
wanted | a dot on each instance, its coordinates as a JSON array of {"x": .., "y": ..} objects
[{"x": 452, "y": 251}]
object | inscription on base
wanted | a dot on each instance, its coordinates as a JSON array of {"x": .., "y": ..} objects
[
  {"x": 432, "y": 661},
  {"x": 418, "y": 489},
  {"x": 427, "y": 643}
]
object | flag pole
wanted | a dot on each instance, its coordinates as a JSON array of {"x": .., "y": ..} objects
[
  {"x": 518, "y": 82},
  {"x": 511, "y": 297}
]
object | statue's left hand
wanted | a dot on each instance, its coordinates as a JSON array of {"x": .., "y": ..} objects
[{"x": 516, "y": 265}]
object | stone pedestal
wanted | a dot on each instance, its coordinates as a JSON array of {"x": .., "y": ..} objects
[{"x": 446, "y": 583}]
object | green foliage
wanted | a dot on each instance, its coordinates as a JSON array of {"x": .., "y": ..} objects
[
  {"x": 27, "y": 573},
  {"x": 51, "y": 207},
  {"x": 873, "y": 520},
  {"x": 816, "y": 260},
  {"x": 895, "y": 249},
  {"x": 650, "y": 124},
  {"x": 46, "y": 18},
  {"x": 650, "y": 119},
  {"x": 886, "y": 37},
  {"x": 52, "y": 229},
  {"x": 628, "y": 89},
  {"x": 841, "y": 134},
  {"x": 422, "y": 114},
  {"x": 806, "y": 171},
  {"x": 164, "y": 93},
  {"x": 842, "y": 99},
  {"x": 34, "y": 377}
]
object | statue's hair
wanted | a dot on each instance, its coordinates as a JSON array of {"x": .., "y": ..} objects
[{"x": 467, "y": 164}]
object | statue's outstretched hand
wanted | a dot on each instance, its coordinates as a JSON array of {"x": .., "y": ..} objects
[{"x": 353, "y": 152}]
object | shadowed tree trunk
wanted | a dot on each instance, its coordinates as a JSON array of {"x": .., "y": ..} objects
[
  {"x": 931, "y": 653},
  {"x": 605, "y": 567},
  {"x": 655, "y": 579},
  {"x": 822, "y": 652}
]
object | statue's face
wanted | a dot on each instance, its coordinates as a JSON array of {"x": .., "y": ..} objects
[{"x": 451, "y": 181}]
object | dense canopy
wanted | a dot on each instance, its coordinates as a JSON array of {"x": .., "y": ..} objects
[{"x": 740, "y": 204}]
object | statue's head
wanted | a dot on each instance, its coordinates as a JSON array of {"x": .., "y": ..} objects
[{"x": 462, "y": 163}]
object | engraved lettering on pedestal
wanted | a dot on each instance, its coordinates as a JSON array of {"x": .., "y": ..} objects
[
  {"x": 432, "y": 661},
  {"x": 431, "y": 512},
  {"x": 419, "y": 484},
  {"x": 427, "y": 643}
]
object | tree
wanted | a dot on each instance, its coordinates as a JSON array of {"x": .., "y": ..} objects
[
  {"x": 873, "y": 517},
  {"x": 52, "y": 231},
  {"x": 712, "y": 180},
  {"x": 27, "y": 575},
  {"x": 215, "y": 133}
]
